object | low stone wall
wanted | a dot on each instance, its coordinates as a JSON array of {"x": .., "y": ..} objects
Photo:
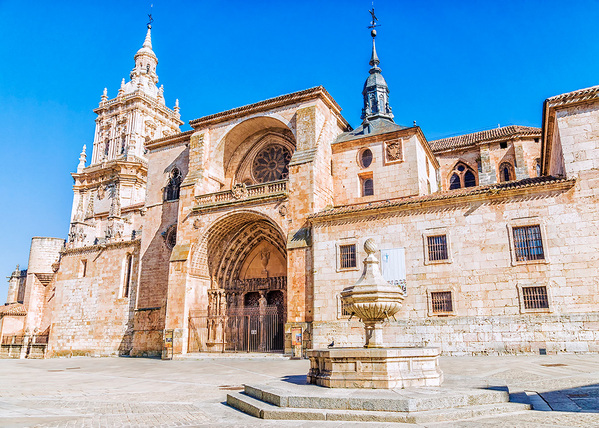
[
  {"x": 10, "y": 351},
  {"x": 476, "y": 335}
]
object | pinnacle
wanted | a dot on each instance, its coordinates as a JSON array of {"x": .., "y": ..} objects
[{"x": 148, "y": 40}]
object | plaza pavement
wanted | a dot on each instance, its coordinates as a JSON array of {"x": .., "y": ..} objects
[{"x": 128, "y": 392}]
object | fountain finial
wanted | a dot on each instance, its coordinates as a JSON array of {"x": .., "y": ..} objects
[{"x": 370, "y": 246}]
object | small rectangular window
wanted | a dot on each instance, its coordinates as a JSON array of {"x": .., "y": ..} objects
[
  {"x": 347, "y": 256},
  {"x": 503, "y": 145},
  {"x": 82, "y": 268},
  {"x": 441, "y": 301},
  {"x": 128, "y": 267},
  {"x": 535, "y": 297},
  {"x": 343, "y": 311},
  {"x": 528, "y": 243},
  {"x": 437, "y": 248}
]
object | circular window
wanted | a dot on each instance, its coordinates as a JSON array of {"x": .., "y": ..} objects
[
  {"x": 366, "y": 158},
  {"x": 271, "y": 164},
  {"x": 171, "y": 237}
]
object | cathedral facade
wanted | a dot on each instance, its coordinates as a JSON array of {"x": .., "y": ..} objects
[{"x": 240, "y": 234}]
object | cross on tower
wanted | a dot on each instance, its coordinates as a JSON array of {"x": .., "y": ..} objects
[{"x": 373, "y": 23}]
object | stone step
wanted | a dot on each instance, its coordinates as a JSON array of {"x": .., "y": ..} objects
[
  {"x": 264, "y": 410},
  {"x": 406, "y": 400}
]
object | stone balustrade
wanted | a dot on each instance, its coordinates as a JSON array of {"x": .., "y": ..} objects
[{"x": 242, "y": 193}]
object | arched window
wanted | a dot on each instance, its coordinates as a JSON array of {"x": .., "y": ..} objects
[
  {"x": 469, "y": 179},
  {"x": 454, "y": 182},
  {"x": 462, "y": 176},
  {"x": 367, "y": 187},
  {"x": 538, "y": 167},
  {"x": 506, "y": 172},
  {"x": 173, "y": 186}
]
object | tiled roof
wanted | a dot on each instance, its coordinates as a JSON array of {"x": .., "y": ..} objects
[
  {"x": 14, "y": 309},
  {"x": 490, "y": 189},
  {"x": 378, "y": 126},
  {"x": 466, "y": 140},
  {"x": 580, "y": 95}
]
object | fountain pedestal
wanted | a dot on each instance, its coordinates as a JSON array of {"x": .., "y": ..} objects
[
  {"x": 374, "y": 300},
  {"x": 385, "y": 368}
]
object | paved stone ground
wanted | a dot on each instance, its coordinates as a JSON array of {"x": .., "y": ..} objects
[{"x": 126, "y": 392}]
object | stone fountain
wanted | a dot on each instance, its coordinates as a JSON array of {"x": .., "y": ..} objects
[
  {"x": 373, "y": 300},
  {"x": 347, "y": 372}
]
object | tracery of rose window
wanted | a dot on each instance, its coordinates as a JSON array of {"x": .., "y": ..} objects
[{"x": 271, "y": 164}]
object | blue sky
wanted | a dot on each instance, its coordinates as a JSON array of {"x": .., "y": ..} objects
[{"x": 453, "y": 66}]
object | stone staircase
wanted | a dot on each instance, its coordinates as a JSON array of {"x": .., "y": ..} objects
[{"x": 281, "y": 400}]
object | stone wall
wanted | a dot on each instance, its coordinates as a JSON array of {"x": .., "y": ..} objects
[
  {"x": 477, "y": 335},
  {"x": 578, "y": 132},
  {"x": 92, "y": 315},
  {"x": 482, "y": 274}
]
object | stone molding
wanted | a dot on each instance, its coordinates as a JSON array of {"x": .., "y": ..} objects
[
  {"x": 100, "y": 247},
  {"x": 266, "y": 105},
  {"x": 487, "y": 193}
]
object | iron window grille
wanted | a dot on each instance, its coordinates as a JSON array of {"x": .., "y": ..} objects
[
  {"x": 437, "y": 248},
  {"x": 535, "y": 297},
  {"x": 441, "y": 301},
  {"x": 347, "y": 256},
  {"x": 528, "y": 243},
  {"x": 343, "y": 308}
]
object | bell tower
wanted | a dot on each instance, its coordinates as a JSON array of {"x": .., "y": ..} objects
[
  {"x": 376, "y": 91},
  {"x": 109, "y": 194}
]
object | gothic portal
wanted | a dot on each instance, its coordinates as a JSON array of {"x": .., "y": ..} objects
[{"x": 246, "y": 258}]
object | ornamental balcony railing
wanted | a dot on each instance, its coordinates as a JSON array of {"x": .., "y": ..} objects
[{"x": 243, "y": 193}]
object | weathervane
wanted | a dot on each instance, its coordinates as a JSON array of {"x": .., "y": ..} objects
[
  {"x": 373, "y": 23},
  {"x": 150, "y": 17}
]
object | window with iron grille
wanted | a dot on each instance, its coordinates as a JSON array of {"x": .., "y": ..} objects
[
  {"x": 437, "y": 248},
  {"x": 528, "y": 243},
  {"x": 441, "y": 301},
  {"x": 347, "y": 256},
  {"x": 535, "y": 297},
  {"x": 343, "y": 308}
]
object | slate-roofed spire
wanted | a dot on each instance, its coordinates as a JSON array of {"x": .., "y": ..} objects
[{"x": 375, "y": 92}]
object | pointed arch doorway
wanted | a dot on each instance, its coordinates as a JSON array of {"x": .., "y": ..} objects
[{"x": 247, "y": 298}]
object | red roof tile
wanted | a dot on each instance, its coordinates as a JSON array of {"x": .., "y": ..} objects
[{"x": 467, "y": 140}]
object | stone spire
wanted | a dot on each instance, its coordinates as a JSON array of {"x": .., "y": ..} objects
[{"x": 375, "y": 92}]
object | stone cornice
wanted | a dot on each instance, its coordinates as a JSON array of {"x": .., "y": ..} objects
[
  {"x": 492, "y": 192},
  {"x": 107, "y": 171},
  {"x": 129, "y": 208},
  {"x": 170, "y": 140},
  {"x": 138, "y": 95},
  {"x": 318, "y": 92},
  {"x": 101, "y": 247}
]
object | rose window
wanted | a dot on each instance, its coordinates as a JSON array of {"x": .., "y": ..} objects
[{"x": 271, "y": 164}]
